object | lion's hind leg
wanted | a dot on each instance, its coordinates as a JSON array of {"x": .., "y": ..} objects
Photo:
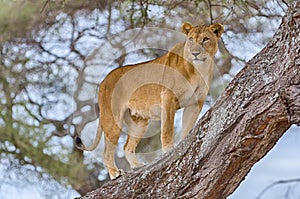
[
  {"x": 111, "y": 137},
  {"x": 136, "y": 129}
]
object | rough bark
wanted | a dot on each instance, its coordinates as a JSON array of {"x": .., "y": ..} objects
[{"x": 247, "y": 120}]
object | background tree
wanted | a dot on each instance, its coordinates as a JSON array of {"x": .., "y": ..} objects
[{"x": 52, "y": 60}]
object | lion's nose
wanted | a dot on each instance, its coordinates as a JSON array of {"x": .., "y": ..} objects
[{"x": 195, "y": 54}]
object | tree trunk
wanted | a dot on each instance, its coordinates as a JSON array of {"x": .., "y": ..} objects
[{"x": 247, "y": 120}]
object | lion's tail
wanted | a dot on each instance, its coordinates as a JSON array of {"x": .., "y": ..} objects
[{"x": 80, "y": 145}]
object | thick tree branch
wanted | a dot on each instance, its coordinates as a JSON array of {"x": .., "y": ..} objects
[
  {"x": 291, "y": 97},
  {"x": 254, "y": 111}
]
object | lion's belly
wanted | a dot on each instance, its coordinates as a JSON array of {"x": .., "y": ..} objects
[
  {"x": 145, "y": 102},
  {"x": 153, "y": 112}
]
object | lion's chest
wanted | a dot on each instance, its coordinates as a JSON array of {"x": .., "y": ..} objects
[
  {"x": 199, "y": 84},
  {"x": 194, "y": 93}
]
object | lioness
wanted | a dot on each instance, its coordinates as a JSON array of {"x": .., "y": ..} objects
[{"x": 155, "y": 90}]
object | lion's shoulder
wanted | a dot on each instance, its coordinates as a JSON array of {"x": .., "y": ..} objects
[{"x": 177, "y": 49}]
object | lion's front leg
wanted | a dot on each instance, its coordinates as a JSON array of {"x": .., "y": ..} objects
[
  {"x": 189, "y": 118},
  {"x": 168, "y": 101}
]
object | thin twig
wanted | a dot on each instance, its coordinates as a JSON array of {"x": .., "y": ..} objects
[
  {"x": 44, "y": 6},
  {"x": 276, "y": 183},
  {"x": 210, "y": 12},
  {"x": 285, "y": 3}
]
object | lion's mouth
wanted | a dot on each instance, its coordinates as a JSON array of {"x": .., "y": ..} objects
[{"x": 201, "y": 59}]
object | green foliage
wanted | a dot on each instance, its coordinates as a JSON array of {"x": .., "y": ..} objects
[{"x": 17, "y": 18}]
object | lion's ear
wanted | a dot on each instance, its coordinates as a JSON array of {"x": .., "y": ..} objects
[
  {"x": 218, "y": 29},
  {"x": 186, "y": 27}
]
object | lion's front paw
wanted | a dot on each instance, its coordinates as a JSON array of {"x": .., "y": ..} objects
[
  {"x": 138, "y": 164},
  {"x": 168, "y": 148},
  {"x": 117, "y": 174}
]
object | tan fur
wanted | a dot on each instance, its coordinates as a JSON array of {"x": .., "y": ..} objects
[{"x": 155, "y": 90}]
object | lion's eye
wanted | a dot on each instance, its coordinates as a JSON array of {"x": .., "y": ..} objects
[
  {"x": 191, "y": 38},
  {"x": 205, "y": 39}
]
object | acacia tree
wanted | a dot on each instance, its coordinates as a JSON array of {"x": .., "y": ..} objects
[
  {"x": 44, "y": 56},
  {"x": 253, "y": 112}
]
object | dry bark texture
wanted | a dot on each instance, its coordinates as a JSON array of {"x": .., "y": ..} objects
[{"x": 247, "y": 120}]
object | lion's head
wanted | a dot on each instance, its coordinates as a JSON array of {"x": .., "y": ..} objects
[{"x": 202, "y": 41}]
